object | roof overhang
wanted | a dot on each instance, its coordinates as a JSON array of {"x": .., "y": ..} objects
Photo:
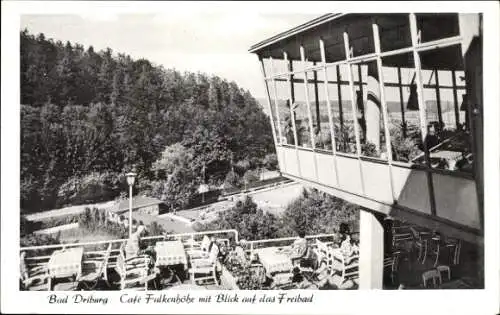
[{"x": 294, "y": 31}]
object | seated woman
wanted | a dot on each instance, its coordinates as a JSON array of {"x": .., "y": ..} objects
[
  {"x": 239, "y": 254},
  {"x": 348, "y": 248},
  {"x": 299, "y": 249}
]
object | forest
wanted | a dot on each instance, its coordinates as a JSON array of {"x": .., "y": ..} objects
[{"x": 88, "y": 117}]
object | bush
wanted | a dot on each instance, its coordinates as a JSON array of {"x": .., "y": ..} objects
[
  {"x": 251, "y": 176},
  {"x": 154, "y": 229},
  {"x": 94, "y": 220},
  {"x": 57, "y": 221},
  {"x": 270, "y": 162},
  {"x": 252, "y": 223},
  {"x": 314, "y": 212},
  {"x": 94, "y": 187},
  {"x": 232, "y": 181},
  {"x": 27, "y": 226},
  {"x": 317, "y": 213},
  {"x": 242, "y": 166},
  {"x": 39, "y": 240}
]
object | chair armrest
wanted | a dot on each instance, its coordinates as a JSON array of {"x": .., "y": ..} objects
[
  {"x": 136, "y": 270},
  {"x": 140, "y": 259},
  {"x": 134, "y": 266},
  {"x": 92, "y": 262},
  {"x": 202, "y": 262},
  {"x": 38, "y": 269},
  {"x": 197, "y": 254}
]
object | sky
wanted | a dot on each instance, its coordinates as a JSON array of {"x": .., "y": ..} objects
[{"x": 211, "y": 41}]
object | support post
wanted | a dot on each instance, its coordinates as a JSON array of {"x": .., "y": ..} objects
[
  {"x": 130, "y": 212},
  {"x": 371, "y": 251}
]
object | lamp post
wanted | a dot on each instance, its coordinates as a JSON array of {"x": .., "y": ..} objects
[{"x": 130, "y": 181}]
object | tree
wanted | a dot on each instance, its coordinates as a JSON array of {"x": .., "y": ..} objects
[
  {"x": 232, "y": 181},
  {"x": 250, "y": 177},
  {"x": 313, "y": 212},
  {"x": 87, "y": 112},
  {"x": 251, "y": 222},
  {"x": 175, "y": 181},
  {"x": 270, "y": 161},
  {"x": 317, "y": 213}
]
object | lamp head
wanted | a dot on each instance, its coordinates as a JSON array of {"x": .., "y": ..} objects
[{"x": 130, "y": 178}]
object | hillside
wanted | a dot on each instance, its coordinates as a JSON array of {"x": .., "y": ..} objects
[{"x": 89, "y": 117}]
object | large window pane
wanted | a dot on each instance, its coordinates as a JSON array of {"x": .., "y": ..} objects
[
  {"x": 394, "y": 30},
  {"x": 360, "y": 33},
  {"x": 276, "y": 122},
  {"x": 319, "y": 110},
  {"x": 448, "y": 141},
  {"x": 340, "y": 99},
  {"x": 301, "y": 65},
  {"x": 369, "y": 113},
  {"x": 334, "y": 45},
  {"x": 401, "y": 98},
  {"x": 280, "y": 66},
  {"x": 301, "y": 112},
  {"x": 268, "y": 70},
  {"x": 283, "y": 94},
  {"x": 276, "y": 66},
  {"x": 434, "y": 26}
]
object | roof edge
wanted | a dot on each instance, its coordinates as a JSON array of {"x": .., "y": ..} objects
[{"x": 293, "y": 31}]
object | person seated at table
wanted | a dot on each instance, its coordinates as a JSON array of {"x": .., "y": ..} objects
[
  {"x": 348, "y": 247},
  {"x": 132, "y": 247},
  {"x": 239, "y": 254},
  {"x": 299, "y": 248}
]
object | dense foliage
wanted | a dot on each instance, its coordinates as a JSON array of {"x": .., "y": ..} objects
[
  {"x": 251, "y": 222},
  {"x": 87, "y": 117},
  {"x": 313, "y": 212}
]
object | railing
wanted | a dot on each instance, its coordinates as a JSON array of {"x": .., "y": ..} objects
[
  {"x": 192, "y": 235},
  {"x": 46, "y": 250},
  {"x": 40, "y": 255},
  {"x": 284, "y": 241}
]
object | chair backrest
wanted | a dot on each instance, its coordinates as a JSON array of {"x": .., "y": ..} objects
[
  {"x": 120, "y": 264},
  {"x": 23, "y": 267},
  {"x": 105, "y": 260},
  {"x": 392, "y": 261},
  {"x": 322, "y": 247},
  {"x": 414, "y": 233}
]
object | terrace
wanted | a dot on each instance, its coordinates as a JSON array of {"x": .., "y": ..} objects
[{"x": 178, "y": 261}]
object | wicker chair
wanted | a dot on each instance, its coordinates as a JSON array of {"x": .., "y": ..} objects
[
  {"x": 391, "y": 264},
  {"x": 134, "y": 272},
  {"x": 94, "y": 268},
  {"x": 206, "y": 266},
  {"x": 348, "y": 267},
  {"x": 32, "y": 277}
]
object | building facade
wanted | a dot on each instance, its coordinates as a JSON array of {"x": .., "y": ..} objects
[{"x": 384, "y": 111}]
